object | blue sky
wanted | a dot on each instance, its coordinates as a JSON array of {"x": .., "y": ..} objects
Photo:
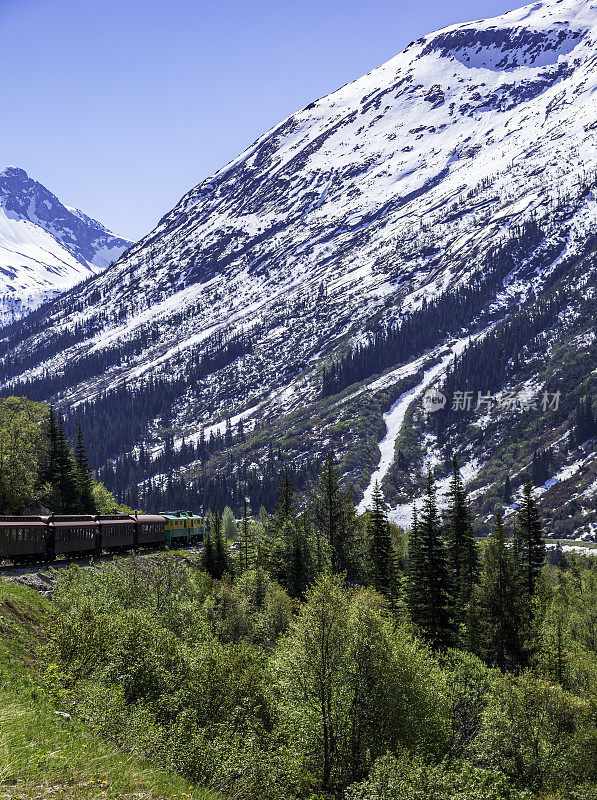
[{"x": 120, "y": 106}]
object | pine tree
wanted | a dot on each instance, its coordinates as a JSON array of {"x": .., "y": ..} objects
[
  {"x": 536, "y": 469},
  {"x": 208, "y": 556},
  {"x": 428, "y": 586},
  {"x": 84, "y": 481},
  {"x": 500, "y": 615},
  {"x": 333, "y": 515},
  {"x": 463, "y": 554},
  {"x": 586, "y": 422},
  {"x": 221, "y": 554},
  {"x": 300, "y": 569},
  {"x": 507, "y": 491},
  {"x": 528, "y": 536},
  {"x": 285, "y": 507},
  {"x": 246, "y": 557},
  {"x": 65, "y": 478},
  {"x": 48, "y": 469},
  {"x": 380, "y": 544}
]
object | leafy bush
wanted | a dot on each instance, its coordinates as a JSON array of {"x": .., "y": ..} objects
[
  {"x": 537, "y": 734},
  {"x": 349, "y": 685},
  {"x": 409, "y": 777}
]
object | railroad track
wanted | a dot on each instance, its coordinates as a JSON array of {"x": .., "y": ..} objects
[{"x": 11, "y": 571}]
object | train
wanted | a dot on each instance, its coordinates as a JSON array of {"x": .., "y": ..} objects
[{"x": 44, "y": 538}]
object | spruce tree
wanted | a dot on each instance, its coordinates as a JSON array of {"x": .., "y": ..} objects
[
  {"x": 528, "y": 536},
  {"x": 221, "y": 554},
  {"x": 246, "y": 556},
  {"x": 428, "y": 586},
  {"x": 285, "y": 506},
  {"x": 48, "y": 473},
  {"x": 333, "y": 515},
  {"x": 65, "y": 475},
  {"x": 536, "y": 469},
  {"x": 380, "y": 544},
  {"x": 500, "y": 613},
  {"x": 507, "y": 491},
  {"x": 208, "y": 555},
  {"x": 463, "y": 554},
  {"x": 300, "y": 561},
  {"x": 84, "y": 481},
  {"x": 586, "y": 422}
]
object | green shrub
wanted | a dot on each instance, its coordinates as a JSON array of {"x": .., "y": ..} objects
[
  {"x": 349, "y": 685},
  {"x": 409, "y": 777},
  {"x": 537, "y": 734}
]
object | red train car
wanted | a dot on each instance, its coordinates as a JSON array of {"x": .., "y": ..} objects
[
  {"x": 71, "y": 534},
  {"x": 24, "y": 539}
]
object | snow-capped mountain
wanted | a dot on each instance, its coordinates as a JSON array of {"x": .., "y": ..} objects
[
  {"x": 447, "y": 190},
  {"x": 45, "y": 247}
]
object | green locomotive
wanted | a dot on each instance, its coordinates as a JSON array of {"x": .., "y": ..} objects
[{"x": 183, "y": 527}]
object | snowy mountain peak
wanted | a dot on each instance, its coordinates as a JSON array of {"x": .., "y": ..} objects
[
  {"x": 463, "y": 171},
  {"x": 45, "y": 246}
]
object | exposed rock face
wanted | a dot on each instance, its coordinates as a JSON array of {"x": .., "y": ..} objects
[
  {"x": 45, "y": 246},
  {"x": 469, "y": 159}
]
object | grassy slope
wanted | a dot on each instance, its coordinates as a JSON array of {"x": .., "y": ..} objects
[{"x": 43, "y": 756}]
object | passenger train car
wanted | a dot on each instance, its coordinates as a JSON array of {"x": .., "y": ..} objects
[{"x": 45, "y": 538}]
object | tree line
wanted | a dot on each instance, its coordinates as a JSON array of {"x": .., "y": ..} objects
[
  {"x": 40, "y": 468},
  {"x": 434, "y": 320},
  {"x": 335, "y": 656},
  {"x": 434, "y": 569}
]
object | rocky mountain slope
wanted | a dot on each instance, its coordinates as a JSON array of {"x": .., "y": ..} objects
[
  {"x": 308, "y": 294},
  {"x": 45, "y": 247}
]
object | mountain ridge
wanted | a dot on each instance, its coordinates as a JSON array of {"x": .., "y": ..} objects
[
  {"x": 456, "y": 179},
  {"x": 45, "y": 246}
]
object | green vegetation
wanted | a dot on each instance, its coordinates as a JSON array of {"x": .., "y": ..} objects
[
  {"x": 39, "y": 469},
  {"x": 43, "y": 754},
  {"x": 268, "y": 674},
  {"x": 236, "y": 686},
  {"x": 328, "y": 656}
]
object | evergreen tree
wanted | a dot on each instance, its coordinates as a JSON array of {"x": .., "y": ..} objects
[
  {"x": 246, "y": 556},
  {"x": 221, "y": 554},
  {"x": 500, "y": 616},
  {"x": 83, "y": 476},
  {"x": 48, "y": 467},
  {"x": 208, "y": 563},
  {"x": 333, "y": 515},
  {"x": 463, "y": 554},
  {"x": 586, "y": 422},
  {"x": 536, "y": 469},
  {"x": 528, "y": 536},
  {"x": 300, "y": 560},
  {"x": 540, "y": 466},
  {"x": 507, "y": 491},
  {"x": 380, "y": 544},
  {"x": 284, "y": 508},
  {"x": 428, "y": 586},
  {"x": 65, "y": 479}
]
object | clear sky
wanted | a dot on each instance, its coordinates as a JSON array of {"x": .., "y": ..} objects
[{"x": 121, "y": 106}]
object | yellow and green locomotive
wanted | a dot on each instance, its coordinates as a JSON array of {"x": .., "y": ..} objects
[{"x": 183, "y": 527}]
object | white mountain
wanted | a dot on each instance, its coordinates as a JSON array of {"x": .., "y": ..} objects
[
  {"x": 468, "y": 160},
  {"x": 45, "y": 247}
]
